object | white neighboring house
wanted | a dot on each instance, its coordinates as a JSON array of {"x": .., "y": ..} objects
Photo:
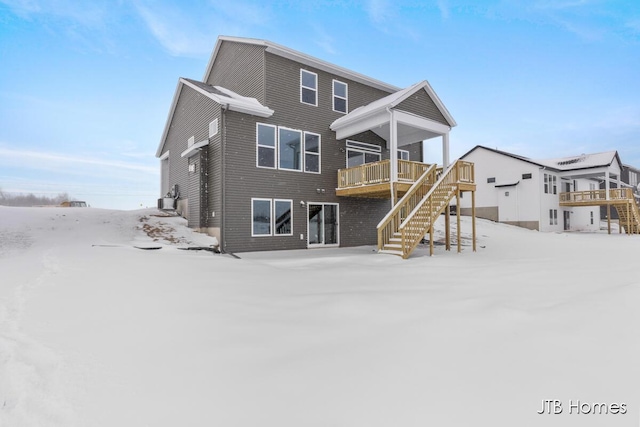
[{"x": 517, "y": 190}]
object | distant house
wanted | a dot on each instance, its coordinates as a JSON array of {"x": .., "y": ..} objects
[
  {"x": 550, "y": 194},
  {"x": 275, "y": 149}
]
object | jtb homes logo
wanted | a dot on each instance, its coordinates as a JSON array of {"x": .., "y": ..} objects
[{"x": 556, "y": 407}]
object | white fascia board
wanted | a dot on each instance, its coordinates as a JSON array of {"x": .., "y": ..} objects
[
  {"x": 373, "y": 120},
  {"x": 193, "y": 149},
  {"x": 164, "y": 156},
  {"x": 421, "y": 122},
  {"x": 172, "y": 110}
]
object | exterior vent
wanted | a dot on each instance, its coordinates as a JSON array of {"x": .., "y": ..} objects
[{"x": 213, "y": 128}]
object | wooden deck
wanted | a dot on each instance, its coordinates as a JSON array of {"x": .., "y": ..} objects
[
  {"x": 596, "y": 197},
  {"x": 373, "y": 180},
  {"x": 622, "y": 199}
]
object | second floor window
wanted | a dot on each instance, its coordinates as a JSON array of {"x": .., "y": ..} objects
[
  {"x": 278, "y": 147},
  {"x": 340, "y": 96},
  {"x": 308, "y": 87}
]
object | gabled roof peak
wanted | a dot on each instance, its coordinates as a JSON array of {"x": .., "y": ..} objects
[{"x": 303, "y": 58}]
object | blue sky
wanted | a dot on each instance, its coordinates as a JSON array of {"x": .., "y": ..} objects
[{"x": 86, "y": 86}]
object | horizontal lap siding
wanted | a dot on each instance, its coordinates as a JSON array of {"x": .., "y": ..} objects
[
  {"x": 191, "y": 117},
  {"x": 194, "y": 192},
  {"x": 240, "y": 68},
  {"x": 420, "y": 103},
  {"x": 214, "y": 174},
  {"x": 358, "y": 217}
]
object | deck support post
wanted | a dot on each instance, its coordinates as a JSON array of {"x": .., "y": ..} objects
[
  {"x": 473, "y": 218},
  {"x": 431, "y": 241},
  {"x": 447, "y": 227},
  {"x": 609, "y": 218},
  {"x": 458, "y": 218}
]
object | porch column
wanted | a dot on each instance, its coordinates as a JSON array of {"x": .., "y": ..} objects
[
  {"x": 606, "y": 197},
  {"x": 393, "y": 156},
  {"x": 445, "y": 151}
]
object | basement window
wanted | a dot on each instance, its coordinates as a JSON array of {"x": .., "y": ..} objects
[
  {"x": 526, "y": 176},
  {"x": 490, "y": 180}
]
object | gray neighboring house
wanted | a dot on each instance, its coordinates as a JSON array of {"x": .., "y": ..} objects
[{"x": 261, "y": 152}]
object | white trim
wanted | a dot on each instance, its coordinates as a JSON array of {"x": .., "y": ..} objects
[
  {"x": 401, "y": 152},
  {"x": 324, "y": 245},
  {"x": 270, "y": 216},
  {"x": 194, "y": 148},
  {"x": 191, "y": 141},
  {"x": 334, "y": 96},
  {"x": 273, "y": 216},
  {"x": 235, "y": 102},
  {"x": 301, "y": 150},
  {"x": 302, "y": 86},
  {"x": 275, "y": 147},
  {"x": 213, "y": 128},
  {"x": 363, "y": 145},
  {"x": 164, "y": 156},
  {"x": 304, "y": 152}
]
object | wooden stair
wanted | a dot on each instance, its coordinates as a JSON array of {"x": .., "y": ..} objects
[
  {"x": 414, "y": 215},
  {"x": 629, "y": 215}
]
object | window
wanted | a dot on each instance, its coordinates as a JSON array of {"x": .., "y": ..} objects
[
  {"x": 553, "y": 217},
  {"x": 261, "y": 217},
  {"x": 359, "y": 153},
  {"x": 271, "y": 217},
  {"x": 633, "y": 179},
  {"x": 282, "y": 218},
  {"x": 340, "y": 92},
  {"x": 289, "y": 149},
  {"x": 591, "y": 217},
  {"x": 550, "y": 184},
  {"x": 282, "y": 148},
  {"x": 506, "y": 194},
  {"x": 526, "y": 176},
  {"x": 266, "y": 142},
  {"x": 490, "y": 180},
  {"x": 213, "y": 128},
  {"x": 308, "y": 87},
  {"x": 403, "y": 155},
  {"x": 311, "y": 152}
]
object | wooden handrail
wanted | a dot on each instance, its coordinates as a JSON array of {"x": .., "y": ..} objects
[
  {"x": 392, "y": 220},
  {"x": 427, "y": 198},
  {"x": 379, "y": 172},
  {"x": 597, "y": 195}
]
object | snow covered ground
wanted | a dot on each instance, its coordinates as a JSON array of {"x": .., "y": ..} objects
[{"x": 94, "y": 332}]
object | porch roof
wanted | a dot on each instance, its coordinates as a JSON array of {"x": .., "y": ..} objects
[{"x": 376, "y": 118}]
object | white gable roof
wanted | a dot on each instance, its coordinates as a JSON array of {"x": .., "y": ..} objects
[
  {"x": 583, "y": 161},
  {"x": 391, "y": 101}
]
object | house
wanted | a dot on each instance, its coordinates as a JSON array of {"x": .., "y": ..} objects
[
  {"x": 275, "y": 149},
  {"x": 559, "y": 194}
]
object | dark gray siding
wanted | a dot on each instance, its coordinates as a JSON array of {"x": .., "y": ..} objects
[
  {"x": 214, "y": 174},
  {"x": 240, "y": 68},
  {"x": 420, "y": 103},
  {"x": 191, "y": 117},
  {"x": 193, "y": 179}
]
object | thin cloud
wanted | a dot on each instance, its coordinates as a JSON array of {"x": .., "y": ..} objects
[
  {"x": 42, "y": 160},
  {"x": 324, "y": 40},
  {"x": 384, "y": 17},
  {"x": 90, "y": 14},
  {"x": 443, "y": 6}
]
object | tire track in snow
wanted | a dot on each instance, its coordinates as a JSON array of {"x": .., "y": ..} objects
[{"x": 31, "y": 374}]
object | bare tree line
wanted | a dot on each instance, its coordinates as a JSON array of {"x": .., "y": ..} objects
[{"x": 20, "y": 199}]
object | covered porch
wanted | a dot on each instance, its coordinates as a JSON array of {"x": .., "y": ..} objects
[{"x": 387, "y": 118}]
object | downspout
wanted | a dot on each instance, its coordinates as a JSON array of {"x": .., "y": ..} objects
[{"x": 223, "y": 192}]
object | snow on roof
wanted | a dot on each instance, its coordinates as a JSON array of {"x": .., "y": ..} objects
[
  {"x": 583, "y": 161},
  {"x": 231, "y": 99}
]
